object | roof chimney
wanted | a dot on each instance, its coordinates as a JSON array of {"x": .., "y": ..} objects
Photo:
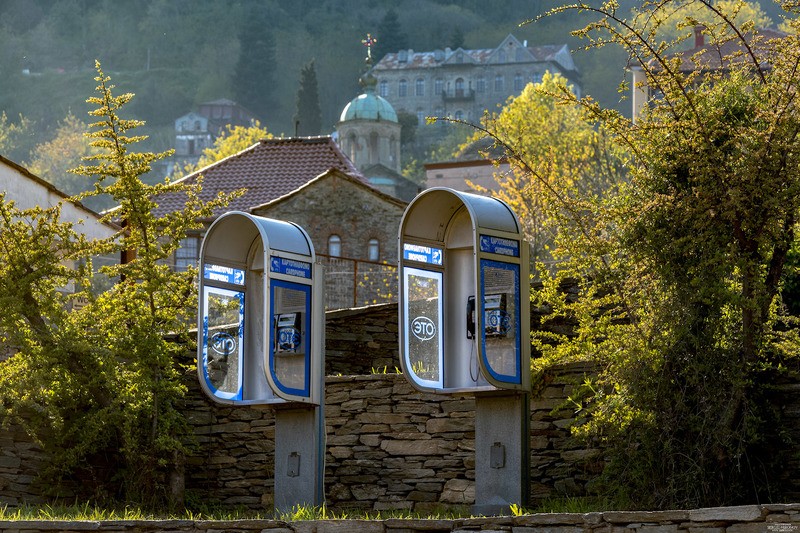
[{"x": 699, "y": 38}]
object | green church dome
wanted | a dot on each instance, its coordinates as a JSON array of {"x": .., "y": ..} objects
[{"x": 368, "y": 106}]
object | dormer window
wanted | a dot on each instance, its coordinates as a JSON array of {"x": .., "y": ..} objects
[{"x": 402, "y": 56}]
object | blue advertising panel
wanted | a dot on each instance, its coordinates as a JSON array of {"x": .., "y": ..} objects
[
  {"x": 499, "y": 245},
  {"x": 225, "y": 274},
  {"x": 422, "y": 254},
  {"x": 290, "y": 267}
]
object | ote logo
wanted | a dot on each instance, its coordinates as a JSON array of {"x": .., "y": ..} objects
[
  {"x": 423, "y": 328},
  {"x": 223, "y": 343}
]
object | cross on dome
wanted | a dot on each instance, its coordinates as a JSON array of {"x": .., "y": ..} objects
[{"x": 369, "y": 42}]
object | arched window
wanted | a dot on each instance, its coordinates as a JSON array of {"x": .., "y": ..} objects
[
  {"x": 481, "y": 84},
  {"x": 419, "y": 87},
  {"x": 402, "y": 88},
  {"x": 373, "y": 250},
  {"x": 335, "y": 246},
  {"x": 438, "y": 86},
  {"x": 536, "y": 77},
  {"x": 383, "y": 89},
  {"x": 459, "y": 115},
  {"x": 459, "y": 87}
]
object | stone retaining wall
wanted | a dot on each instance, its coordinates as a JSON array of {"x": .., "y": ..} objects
[
  {"x": 388, "y": 447},
  {"x": 746, "y": 519}
]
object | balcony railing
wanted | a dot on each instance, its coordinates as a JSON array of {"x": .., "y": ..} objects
[
  {"x": 356, "y": 283},
  {"x": 458, "y": 95}
]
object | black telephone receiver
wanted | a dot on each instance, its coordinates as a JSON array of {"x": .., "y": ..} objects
[{"x": 471, "y": 317}]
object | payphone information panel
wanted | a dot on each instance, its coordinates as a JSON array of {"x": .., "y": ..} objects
[
  {"x": 223, "y": 332},
  {"x": 290, "y": 349},
  {"x": 423, "y": 353},
  {"x": 223, "y": 274},
  {"x": 500, "y": 312}
]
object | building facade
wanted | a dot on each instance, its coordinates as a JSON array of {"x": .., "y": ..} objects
[{"x": 463, "y": 83}]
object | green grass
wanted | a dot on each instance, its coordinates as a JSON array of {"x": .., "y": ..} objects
[{"x": 91, "y": 512}]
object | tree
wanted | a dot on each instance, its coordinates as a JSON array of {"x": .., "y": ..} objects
[
  {"x": 390, "y": 35},
  {"x": 679, "y": 268},
  {"x": 53, "y": 159},
  {"x": 559, "y": 157},
  {"x": 457, "y": 38},
  {"x": 16, "y": 140},
  {"x": 676, "y": 21},
  {"x": 308, "y": 116},
  {"x": 254, "y": 77},
  {"x": 102, "y": 380},
  {"x": 232, "y": 141}
]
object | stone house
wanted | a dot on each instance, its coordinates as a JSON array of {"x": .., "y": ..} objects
[
  {"x": 463, "y": 83},
  {"x": 268, "y": 170},
  {"x": 354, "y": 236},
  {"x": 362, "y": 223}
]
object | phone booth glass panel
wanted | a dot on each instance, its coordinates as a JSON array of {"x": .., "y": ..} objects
[
  {"x": 223, "y": 335},
  {"x": 422, "y": 314},
  {"x": 290, "y": 350},
  {"x": 500, "y": 310}
]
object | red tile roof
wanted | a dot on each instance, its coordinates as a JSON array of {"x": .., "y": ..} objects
[{"x": 268, "y": 170}]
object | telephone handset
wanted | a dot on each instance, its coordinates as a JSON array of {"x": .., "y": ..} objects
[
  {"x": 495, "y": 317},
  {"x": 287, "y": 333},
  {"x": 471, "y": 317}
]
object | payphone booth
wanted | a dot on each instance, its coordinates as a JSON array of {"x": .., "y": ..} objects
[
  {"x": 465, "y": 326},
  {"x": 261, "y": 341}
]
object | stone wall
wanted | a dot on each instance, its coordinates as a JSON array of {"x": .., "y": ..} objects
[
  {"x": 745, "y": 519},
  {"x": 388, "y": 447}
]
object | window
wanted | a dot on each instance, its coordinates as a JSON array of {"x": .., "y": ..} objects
[
  {"x": 383, "y": 89},
  {"x": 373, "y": 250},
  {"x": 460, "y": 87},
  {"x": 536, "y": 77},
  {"x": 186, "y": 254},
  {"x": 402, "y": 88},
  {"x": 438, "y": 86},
  {"x": 419, "y": 87},
  {"x": 519, "y": 55},
  {"x": 480, "y": 84},
  {"x": 501, "y": 56},
  {"x": 420, "y": 117},
  {"x": 498, "y": 83},
  {"x": 459, "y": 115},
  {"x": 335, "y": 246},
  {"x": 518, "y": 82}
]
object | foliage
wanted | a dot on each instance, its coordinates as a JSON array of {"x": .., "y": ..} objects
[
  {"x": 15, "y": 139},
  {"x": 53, "y": 159},
  {"x": 256, "y": 66},
  {"x": 308, "y": 117},
  {"x": 675, "y": 22},
  {"x": 559, "y": 159},
  {"x": 100, "y": 384},
  {"x": 231, "y": 142},
  {"x": 679, "y": 268},
  {"x": 391, "y": 37}
]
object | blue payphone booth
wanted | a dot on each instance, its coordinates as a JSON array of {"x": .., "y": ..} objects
[
  {"x": 465, "y": 326},
  {"x": 261, "y": 339}
]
